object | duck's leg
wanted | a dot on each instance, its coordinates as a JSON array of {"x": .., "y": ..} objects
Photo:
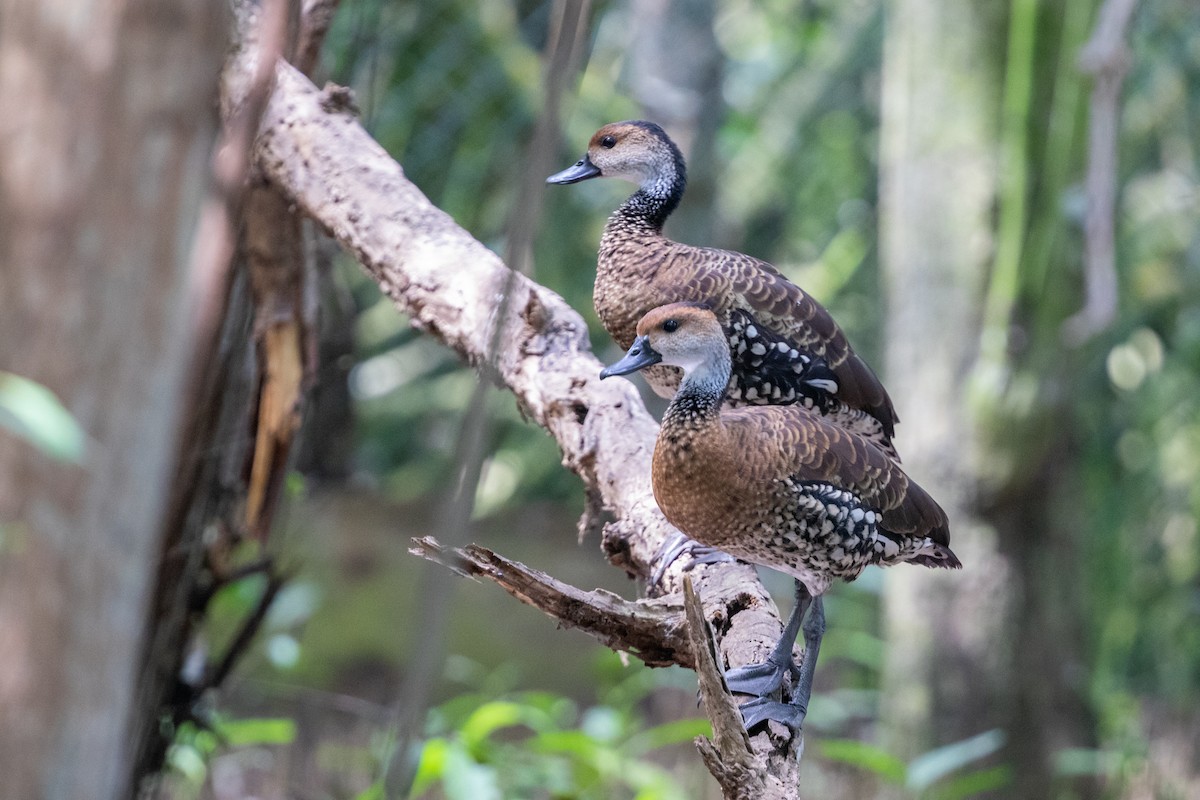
[
  {"x": 677, "y": 545},
  {"x": 792, "y": 714},
  {"x": 762, "y": 707},
  {"x": 766, "y": 678}
]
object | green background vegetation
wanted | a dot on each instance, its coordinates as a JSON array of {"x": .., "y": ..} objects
[{"x": 453, "y": 90}]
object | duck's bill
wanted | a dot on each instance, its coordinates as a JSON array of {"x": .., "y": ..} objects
[
  {"x": 581, "y": 170},
  {"x": 640, "y": 356}
]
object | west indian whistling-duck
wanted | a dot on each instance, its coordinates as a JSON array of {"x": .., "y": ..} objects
[
  {"x": 779, "y": 486},
  {"x": 769, "y": 321}
]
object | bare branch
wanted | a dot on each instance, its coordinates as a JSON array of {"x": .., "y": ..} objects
[
  {"x": 1106, "y": 58},
  {"x": 315, "y": 18},
  {"x": 209, "y": 406},
  {"x": 451, "y": 286},
  {"x": 651, "y": 630},
  {"x": 727, "y": 755}
]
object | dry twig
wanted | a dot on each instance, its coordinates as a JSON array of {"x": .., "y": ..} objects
[
  {"x": 1106, "y": 58},
  {"x": 450, "y": 286}
]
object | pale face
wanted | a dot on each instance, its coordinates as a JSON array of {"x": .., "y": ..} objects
[
  {"x": 679, "y": 335},
  {"x": 624, "y": 150},
  {"x": 686, "y": 337}
]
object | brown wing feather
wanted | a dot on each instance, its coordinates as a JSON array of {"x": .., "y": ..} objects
[
  {"x": 722, "y": 279},
  {"x": 792, "y": 442}
]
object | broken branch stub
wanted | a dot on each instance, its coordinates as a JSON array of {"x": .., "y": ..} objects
[{"x": 450, "y": 286}]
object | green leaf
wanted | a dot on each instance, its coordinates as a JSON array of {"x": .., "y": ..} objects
[
  {"x": 248, "y": 732},
  {"x": 488, "y": 718},
  {"x": 927, "y": 769},
  {"x": 466, "y": 779},
  {"x": 865, "y": 756},
  {"x": 575, "y": 743},
  {"x": 430, "y": 766},
  {"x": 683, "y": 730},
  {"x": 975, "y": 783},
  {"x": 499, "y": 714},
  {"x": 374, "y": 792},
  {"x": 32, "y": 412}
]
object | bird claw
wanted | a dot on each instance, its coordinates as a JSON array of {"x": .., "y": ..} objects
[
  {"x": 764, "y": 680},
  {"x": 759, "y": 680},
  {"x": 762, "y": 709},
  {"x": 676, "y": 546}
]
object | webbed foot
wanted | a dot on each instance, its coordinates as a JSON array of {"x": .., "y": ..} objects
[
  {"x": 762, "y": 709},
  {"x": 760, "y": 679},
  {"x": 677, "y": 545},
  {"x": 765, "y": 680}
]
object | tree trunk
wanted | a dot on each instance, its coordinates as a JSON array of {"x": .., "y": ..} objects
[
  {"x": 943, "y": 673},
  {"x": 449, "y": 284},
  {"x": 109, "y": 118},
  {"x": 1000, "y": 645},
  {"x": 675, "y": 71}
]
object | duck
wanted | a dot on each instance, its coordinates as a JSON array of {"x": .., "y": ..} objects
[
  {"x": 771, "y": 324},
  {"x": 780, "y": 486}
]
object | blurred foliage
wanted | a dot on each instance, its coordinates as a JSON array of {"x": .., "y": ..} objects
[
  {"x": 189, "y": 759},
  {"x": 453, "y": 89},
  {"x": 1129, "y": 396},
  {"x": 32, "y": 412},
  {"x": 946, "y": 773},
  {"x": 490, "y": 741},
  {"x": 1152, "y": 396},
  {"x": 534, "y": 744}
]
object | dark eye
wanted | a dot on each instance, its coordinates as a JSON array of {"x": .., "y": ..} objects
[
  {"x": 608, "y": 141},
  {"x": 671, "y": 325}
]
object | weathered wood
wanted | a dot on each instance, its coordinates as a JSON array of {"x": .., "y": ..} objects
[
  {"x": 208, "y": 492},
  {"x": 1106, "y": 57},
  {"x": 451, "y": 285},
  {"x": 727, "y": 754},
  {"x": 651, "y": 630},
  {"x": 108, "y": 125}
]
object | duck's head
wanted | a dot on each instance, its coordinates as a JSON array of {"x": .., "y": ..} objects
[
  {"x": 635, "y": 150},
  {"x": 684, "y": 335}
]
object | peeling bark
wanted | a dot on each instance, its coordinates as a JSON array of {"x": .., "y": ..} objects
[
  {"x": 451, "y": 286},
  {"x": 233, "y": 388},
  {"x": 107, "y": 127},
  {"x": 651, "y": 630}
]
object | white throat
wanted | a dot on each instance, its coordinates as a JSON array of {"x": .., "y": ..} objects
[{"x": 704, "y": 371}]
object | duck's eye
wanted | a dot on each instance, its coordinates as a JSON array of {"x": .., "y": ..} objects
[
  {"x": 608, "y": 141},
  {"x": 671, "y": 325}
]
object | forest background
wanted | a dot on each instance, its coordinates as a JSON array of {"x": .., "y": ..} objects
[{"x": 931, "y": 172}]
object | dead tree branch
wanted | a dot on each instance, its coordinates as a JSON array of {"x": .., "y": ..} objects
[
  {"x": 727, "y": 755},
  {"x": 316, "y": 16},
  {"x": 450, "y": 285},
  {"x": 212, "y": 398},
  {"x": 1106, "y": 58},
  {"x": 247, "y": 372},
  {"x": 650, "y": 629}
]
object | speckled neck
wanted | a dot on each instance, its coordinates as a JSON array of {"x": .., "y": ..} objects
[
  {"x": 700, "y": 394},
  {"x": 647, "y": 209}
]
